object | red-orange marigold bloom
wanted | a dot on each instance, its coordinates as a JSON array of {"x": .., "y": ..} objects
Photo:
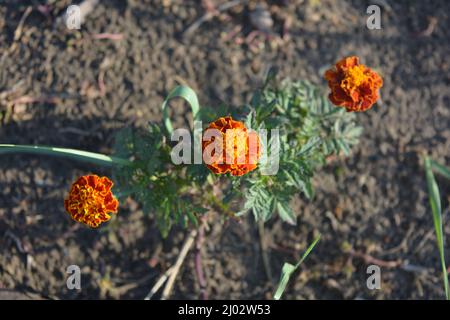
[
  {"x": 91, "y": 201},
  {"x": 353, "y": 85},
  {"x": 240, "y": 148}
]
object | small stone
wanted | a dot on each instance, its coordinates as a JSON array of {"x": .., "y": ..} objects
[{"x": 261, "y": 19}]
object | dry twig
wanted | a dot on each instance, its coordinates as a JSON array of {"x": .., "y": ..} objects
[
  {"x": 171, "y": 273},
  {"x": 176, "y": 268},
  {"x": 432, "y": 24},
  {"x": 159, "y": 283},
  {"x": 17, "y": 33},
  {"x": 265, "y": 257},
  {"x": 211, "y": 14},
  {"x": 368, "y": 259},
  {"x": 198, "y": 260}
]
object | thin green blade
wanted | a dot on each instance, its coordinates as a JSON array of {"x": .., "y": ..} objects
[
  {"x": 308, "y": 251},
  {"x": 435, "y": 203},
  {"x": 182, "y": 92},
  {"x": 288, "y": 270},
  {"x": 75, "y": 154},
  {"x": 439, "y": 168}
]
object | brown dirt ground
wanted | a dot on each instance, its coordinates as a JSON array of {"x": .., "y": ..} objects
[{"x": 375, "y": 200}]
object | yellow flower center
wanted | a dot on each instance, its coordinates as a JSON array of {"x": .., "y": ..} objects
[
  {"x": 236, "y": 145},
  {"x": 89, "y": 199},
  {"x": 353, "y": 77}
]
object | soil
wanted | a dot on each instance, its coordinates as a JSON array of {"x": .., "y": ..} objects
[{"x": 83, "y": 89}]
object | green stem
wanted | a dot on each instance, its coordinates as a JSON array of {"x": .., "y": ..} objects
[{"x": 75, "y": 154}]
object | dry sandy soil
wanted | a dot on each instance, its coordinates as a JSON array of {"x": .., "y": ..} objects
[{"x": 374, "y": 201}]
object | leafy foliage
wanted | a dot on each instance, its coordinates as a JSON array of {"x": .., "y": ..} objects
[
  {"x": 161, "y": 188},
  {"x": 310, "y": 130}
]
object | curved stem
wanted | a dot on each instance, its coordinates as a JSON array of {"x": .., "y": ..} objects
[{"x": 75, "y": 154}]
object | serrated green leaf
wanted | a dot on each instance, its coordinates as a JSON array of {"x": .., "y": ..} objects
[
  {"x": 343, "y": 146},
  {"x": 308, "y": 146},
  {"x": 286, "y": 213},
  {"x": 308, "y": 189},
  {"x": 192, "y": 218}
]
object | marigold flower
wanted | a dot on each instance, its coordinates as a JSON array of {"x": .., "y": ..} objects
[
  {"x": 90, "y": 200},
  {"x": 353, "y": 85},
  {"x": 233, "y": 149}
]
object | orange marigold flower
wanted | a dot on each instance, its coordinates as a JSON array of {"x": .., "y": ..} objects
[
  {"x": 90, "y": 200},
  {"x": 353, "y": 85},
  {"x": 231, "y": 147}
]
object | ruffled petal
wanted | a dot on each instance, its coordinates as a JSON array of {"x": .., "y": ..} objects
[
  {"x": 353, "y": 85},
  {"x": 234, "y": 142},
  {"x": 90, "y": 200}
]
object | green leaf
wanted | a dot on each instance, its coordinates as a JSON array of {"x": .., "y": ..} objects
[
  {"x": 289, "y": 269},
  {"x": 354, "y": 132},
  {"x": 250, "y": 120},
  {"x": 286, "y": 272},
  {"x": 308, "y": 189},
  {"x": 187, "y": 94},
  {"x": 435, "y": 203},
  {"x": 192, "y": 218},
  {"x": 286, "y": 213},
  {"x": 439, "y": 168},
  {"x": 343, "y": 146},
  {"x": 309, "y": 146}
]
